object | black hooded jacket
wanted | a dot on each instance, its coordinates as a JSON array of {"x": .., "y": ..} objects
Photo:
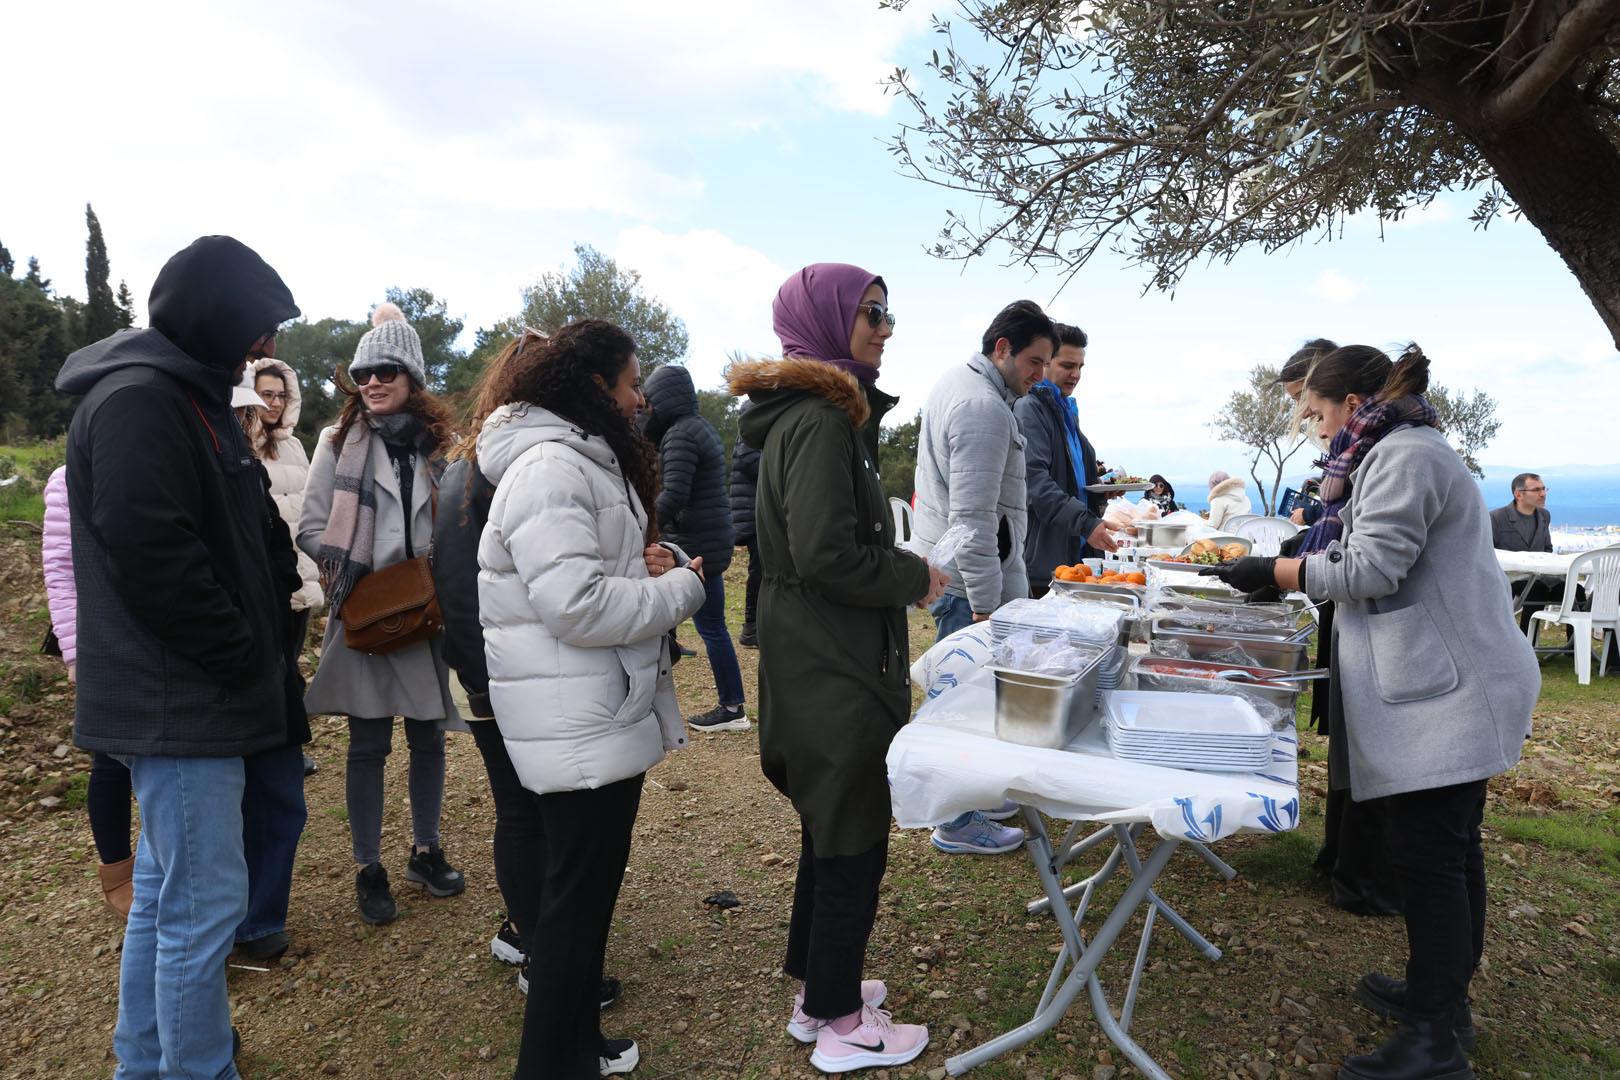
[
  {"x": 694, "y": 510},
  {"x": 183, "y": 566},
  {"x": 744, "y": 482},
  {"x": 458, "y": 526}
]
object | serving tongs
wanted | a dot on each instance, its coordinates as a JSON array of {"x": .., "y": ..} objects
[{"x": 1239, "y": 675}]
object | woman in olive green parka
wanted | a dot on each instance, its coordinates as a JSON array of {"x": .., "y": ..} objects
[{"x": 834, "y": 686}]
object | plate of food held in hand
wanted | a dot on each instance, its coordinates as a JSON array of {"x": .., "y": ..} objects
[
  {"x": 1118, "y": 485},
  {"x": 1203, "y": 553}
]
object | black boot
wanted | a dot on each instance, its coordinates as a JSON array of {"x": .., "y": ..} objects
[
  {"x": 1387, "y": 998},
  {"x": 1422, "y": 1048}
]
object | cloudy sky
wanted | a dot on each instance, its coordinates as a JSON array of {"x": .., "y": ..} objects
[{"x": 714, "y": 148}]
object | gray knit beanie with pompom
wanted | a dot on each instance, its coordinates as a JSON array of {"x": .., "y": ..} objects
[{"x": 391, "y": 340}]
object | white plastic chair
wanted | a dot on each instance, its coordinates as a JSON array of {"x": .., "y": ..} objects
[
  {"x": 1265, "y": 534},
  {"x": 1231, "y": 524},
  {"x": 1601, "y": 568},
  {"x": 902, "y": 521}
]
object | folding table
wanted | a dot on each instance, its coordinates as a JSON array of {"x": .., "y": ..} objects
[{"x": 948, "y": 761}]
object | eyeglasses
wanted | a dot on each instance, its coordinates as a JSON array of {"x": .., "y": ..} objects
[
  {"x": 876, "y": 313},
  {"x": 272, "y": 396},
  {"x": 385, "y": 374},
  {"x": 1534, "y": 491}
]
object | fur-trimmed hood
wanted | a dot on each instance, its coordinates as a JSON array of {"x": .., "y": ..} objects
[
  {"x": 295, "y": 397},
  {"x": 1232, "y": 485},
  {"x": 762, "y": 380}
]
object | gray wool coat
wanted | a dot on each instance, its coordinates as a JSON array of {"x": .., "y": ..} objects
[
  {"x": 413, "y": 682},
  {"x": 1437, "y": 681}
]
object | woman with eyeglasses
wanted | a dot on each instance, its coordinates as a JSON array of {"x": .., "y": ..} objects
[
  {"x": 370, "y": 503},
  {"x": 576, "y": 601},
  {"x": 834, "y": 656}
]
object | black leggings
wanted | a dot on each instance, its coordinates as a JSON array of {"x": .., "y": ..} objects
[
  {"x": 1432, "y": 838},
  {"x": 520, "y": 838},
  {"x": 107, "y": 800},
  {"x": 586, "y": 835},
  {"x": 834, "y": 906}
]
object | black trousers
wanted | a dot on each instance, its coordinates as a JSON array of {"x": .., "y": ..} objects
[
  {"x": 756, "y": 574},
  {"x": 520, "y": 838},
  {"x": 834, "y": 906},
  {"x": 1432, "y": 838},
  {"x": 587, "y": 846}
]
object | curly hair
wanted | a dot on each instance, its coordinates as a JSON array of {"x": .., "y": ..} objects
[
  {"x": 435, "y": 415},
  {"x": 555, "y": 373}
]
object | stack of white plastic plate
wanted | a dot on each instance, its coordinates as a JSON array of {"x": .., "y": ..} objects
[
  {"x": 1212, "y": 732},
  {"x": 1112, "y": 671},
  {"x": 1083, "y": 622}
]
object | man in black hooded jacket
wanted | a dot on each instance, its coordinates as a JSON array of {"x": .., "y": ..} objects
[{"x": 184, "y": 572}]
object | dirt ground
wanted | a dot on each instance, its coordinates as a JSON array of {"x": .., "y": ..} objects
[{"x": 704, "y": 995}]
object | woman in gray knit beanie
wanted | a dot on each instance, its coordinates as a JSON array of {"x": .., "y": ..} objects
[{"x": 368, "y": 504}]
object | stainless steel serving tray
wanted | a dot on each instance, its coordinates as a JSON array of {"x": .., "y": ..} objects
[{"x": 1267, "y": 651}]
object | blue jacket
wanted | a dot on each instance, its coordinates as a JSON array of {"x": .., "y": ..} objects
[{"x": 1061, "y": 516}]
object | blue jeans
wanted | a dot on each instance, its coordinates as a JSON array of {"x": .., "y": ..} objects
[
  {"x": 191, "y": 887},
  {"x": 710, "y": 621},
  {"x": 950, "y": 613},
  {"x": 273, "y": 818}
]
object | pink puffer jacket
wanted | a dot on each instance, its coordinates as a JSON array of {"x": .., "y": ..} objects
[{"x": 57, "y": 554}]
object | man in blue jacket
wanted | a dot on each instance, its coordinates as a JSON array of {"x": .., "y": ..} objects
[
  {"x": 184, "y": 572},
  {"x": 1065, "y": 521}
]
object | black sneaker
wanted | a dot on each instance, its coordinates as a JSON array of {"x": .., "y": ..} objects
[
  {"x": 720, "y": 718},
  {"x": 430, "y": 868},
  {"x": 684, "y": 650},
  {"x": 507, "y": 945},
  {"x": 749, "y": 638},
  {"x": 619, "y": 1056},
  {"x": 266, "y": 948},
  {"x": 236, "y": 1043},
  {"x": 376, "y": 901},
  {"x": 310, "y": 768}
]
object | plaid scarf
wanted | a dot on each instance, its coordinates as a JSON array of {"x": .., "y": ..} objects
[
  {"x": 1363, "y": 431},
  {"x": 346, "y": 545}
]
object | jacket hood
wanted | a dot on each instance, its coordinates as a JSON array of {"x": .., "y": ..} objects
[
  {"x": 512, "y": 430},
  {"x": 671, "y": 396},
  {"x": 295, "y": 396},
  {"x": 142, "y": 348},
  {"x": 773, "y": 385},
  {"x": 1232, "y": 485},
  {"x": 216, "y": 298}
]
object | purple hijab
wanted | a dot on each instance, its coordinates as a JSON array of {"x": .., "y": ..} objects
[{"x": 814, "y": 314}]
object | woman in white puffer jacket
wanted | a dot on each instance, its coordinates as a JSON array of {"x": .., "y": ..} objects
[
  {"x": 270, "y": 433},
  {"x": 577, "y": 603}
]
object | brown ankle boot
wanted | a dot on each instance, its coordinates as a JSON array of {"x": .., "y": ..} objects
[{"x": 116, "y": 887}]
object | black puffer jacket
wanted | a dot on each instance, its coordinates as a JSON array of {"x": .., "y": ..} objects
[
  {"x": 184, "y": 568},
  {"x": 458, "y": 525},
  {"x": 693, "y": 509},
  {"x": 744, "y": 479}
]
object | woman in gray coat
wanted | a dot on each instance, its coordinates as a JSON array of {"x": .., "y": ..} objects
[
  {"x": 369, "y": 503},
  {"x": 1433, "y": 684}
]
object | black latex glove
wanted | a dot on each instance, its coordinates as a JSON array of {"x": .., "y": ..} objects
[{"x": 1246, "y": 574}]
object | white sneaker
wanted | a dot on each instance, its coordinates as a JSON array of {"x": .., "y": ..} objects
[
  {"x": 805, "y": 1027},
  {"x": 624, "y": 1057},
  {"x": 877, "y": 1041}
]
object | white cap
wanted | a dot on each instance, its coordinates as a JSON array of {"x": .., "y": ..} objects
[{"x": 243, "y": 393}]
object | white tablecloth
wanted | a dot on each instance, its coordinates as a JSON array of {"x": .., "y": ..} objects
[{"x": 948, "y": 761}]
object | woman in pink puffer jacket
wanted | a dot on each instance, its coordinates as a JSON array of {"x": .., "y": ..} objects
[{"x": 108, "y": 797}]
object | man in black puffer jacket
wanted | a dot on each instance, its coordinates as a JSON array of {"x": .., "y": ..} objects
[
  {"x": 184, "y": 572},
  {"x": 744, "y": 479},
  {"x": 695, "y": 513}
]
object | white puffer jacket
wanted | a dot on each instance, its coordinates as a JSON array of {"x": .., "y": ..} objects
[
  {"x": 288, "y": 470},
  {"x": 575, "y": 630},
  {"x": 1227, "y": 500}
]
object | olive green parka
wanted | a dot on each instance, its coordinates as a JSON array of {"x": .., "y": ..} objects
[{"x": 834, "y": 683}]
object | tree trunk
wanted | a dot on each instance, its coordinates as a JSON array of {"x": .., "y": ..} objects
[{"x": 1564, "y": 173}]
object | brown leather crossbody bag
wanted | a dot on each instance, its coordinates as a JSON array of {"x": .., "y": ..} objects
[{"x": 396, "y": 606}]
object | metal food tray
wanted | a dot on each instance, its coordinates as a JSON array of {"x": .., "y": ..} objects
[
  {"x": 1108, "y": 489},
  {"x": 1269, "y": 652},
  {"x": 1221, "y": 594},
  {"x": 1035, "y": 709},
  {"x": 1154, "y": 533},
  {"x": 1098, "y": 591},
  {"x": 1284, "y": 696}
]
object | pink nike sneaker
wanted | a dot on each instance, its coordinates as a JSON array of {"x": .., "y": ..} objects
[
  {"x": 804, "y": 1026},
  {"x": 878, "y": 1040}
]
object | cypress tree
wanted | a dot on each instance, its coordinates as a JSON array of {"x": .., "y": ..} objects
[
  {"x": 7, "y": 263},
  {"x": 126, "y": 306},
  {"x": 101, "y": 310}
]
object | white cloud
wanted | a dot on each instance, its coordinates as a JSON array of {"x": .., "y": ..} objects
[
  {"x": 720, "y": 288},
  {"x": 1337, "y": 288}
]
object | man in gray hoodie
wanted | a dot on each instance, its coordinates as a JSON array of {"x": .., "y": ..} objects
[{"x": 970, "y": 465}]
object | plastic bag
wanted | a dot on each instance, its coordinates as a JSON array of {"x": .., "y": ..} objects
[
  {"x": 1058, "y": 612},
  {"x": 942, "y": 556},
  {"x": 952, "y": 660},
  {"x": 1042, "y": 654}
]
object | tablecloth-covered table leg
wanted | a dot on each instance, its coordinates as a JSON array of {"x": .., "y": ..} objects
[{"x": 1081, "y": 959}]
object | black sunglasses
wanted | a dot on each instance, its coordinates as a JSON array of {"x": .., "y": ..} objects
[
  {"x": 385, "y": 373},
  {"x": 876, "y": 313}
]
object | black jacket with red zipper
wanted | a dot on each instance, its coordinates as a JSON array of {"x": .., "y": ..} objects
[{"x": 183, "y": 577}]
